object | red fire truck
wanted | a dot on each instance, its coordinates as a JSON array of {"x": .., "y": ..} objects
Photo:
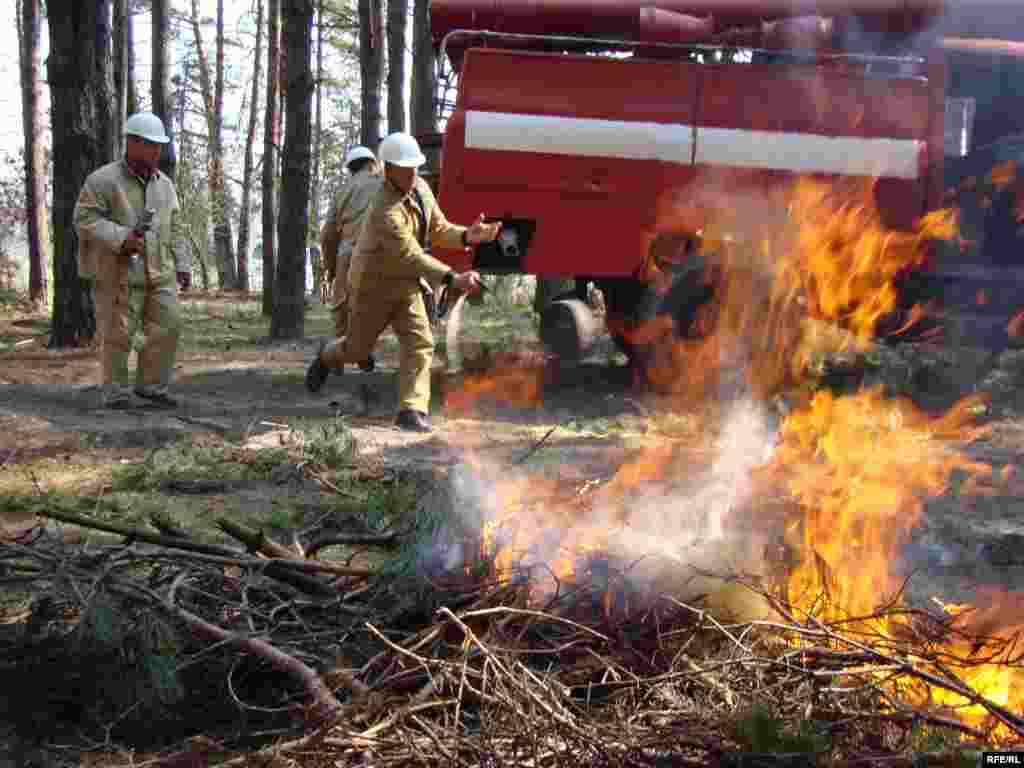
[{"x": 573, "y": 117}]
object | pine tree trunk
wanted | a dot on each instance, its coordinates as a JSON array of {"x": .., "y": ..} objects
[
  {"x": 424, "y": 72},
  {"x": 121, "y": 20},
  {"x": 315, "y": 185},
  {"x": 161, "y": 83},
  {"x": 81, "y": 104},
  {"x": 218, "y": 182},
  {"x": 131, "y": 85},
  {"x": 371, "y": 66},
  {"x": 35, "y": 168},
  {"x": 288, "y": 318},
  {"x": 270, "y": 126},
  {"x": 398, "y": 14},
  {"x": 250, "y": 139}
]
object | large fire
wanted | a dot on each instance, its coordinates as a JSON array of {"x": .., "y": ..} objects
[{"x": 857, "y": 469}]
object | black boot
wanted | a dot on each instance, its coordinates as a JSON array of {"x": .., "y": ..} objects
[
  {"x": 317, "y": 372},
  {"x": 413, "y": 421},
  {"x": 368, "y": 364}
]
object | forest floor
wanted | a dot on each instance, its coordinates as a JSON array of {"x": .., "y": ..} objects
[{"x": 230, "y": 448}]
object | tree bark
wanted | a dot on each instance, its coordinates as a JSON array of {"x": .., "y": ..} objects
[
  {"x": 81, "y": 93},
  {"x": 250, "y": 139},
  {"x": 424, "y": 72},
  {"x": 122, "y": 19},
  {"x": 213, "y": 107},
  {"x": 270, "y": 126},
  {"x": 398, "y": 15},
  {"x": 371, "y": 65},
  {"x": 35, "y": 166},
  {"x": 131, "y": 86},
  {"x": 163, "y": 104},
  {"x": 314, "y": 194},
  {"x": 288, "y": 318}
]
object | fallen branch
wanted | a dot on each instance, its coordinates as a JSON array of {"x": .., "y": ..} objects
[
  {"x": 255, "y": 540},
  {"x": 350, "y": 540},
  {"x": 273, "y": 569}
]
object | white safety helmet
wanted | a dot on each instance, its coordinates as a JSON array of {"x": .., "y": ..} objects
[
  {"x": 146, "y": 126},
  {"x": 358, "y": 153},
  {"x": 403, "y": 150}
]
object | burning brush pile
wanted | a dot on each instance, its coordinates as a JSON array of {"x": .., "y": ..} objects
[{"x": 729, "y": 594}]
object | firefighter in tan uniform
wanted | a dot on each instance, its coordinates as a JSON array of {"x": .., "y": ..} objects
[
  {"x": 126, "y": 219},
  {"x": 339, "y": 233},
  {"x": 388, "y": 265}
]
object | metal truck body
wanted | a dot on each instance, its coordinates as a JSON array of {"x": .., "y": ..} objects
[{"x": 576, "y": 151}]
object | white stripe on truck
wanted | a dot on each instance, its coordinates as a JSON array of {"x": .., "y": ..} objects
[
  {"x": 678, "y": 143},
  {"x": 625, "y": 139}
]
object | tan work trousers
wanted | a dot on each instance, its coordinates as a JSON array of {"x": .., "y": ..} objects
[
  {"x": 160, "y": 320},
  {"x": 339, "y": 299},
  {"x": 339, "y": 288},
  {"x": 399, "y": 304}
]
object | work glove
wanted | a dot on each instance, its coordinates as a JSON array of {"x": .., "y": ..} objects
[{"x": 185, "y": 280}]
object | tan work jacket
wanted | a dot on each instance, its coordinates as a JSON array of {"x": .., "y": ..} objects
[
  {"x": 111, "y": 203},
  {"x": 388, "y": 249},
  {"x": 346, "y": 215}
]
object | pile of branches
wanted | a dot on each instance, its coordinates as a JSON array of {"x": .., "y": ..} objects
[{"x": 361, "y": 668}]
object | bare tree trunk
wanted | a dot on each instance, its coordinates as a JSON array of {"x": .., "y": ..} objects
[
  {"x": 213, "y": 107},
  {"x": 398, "y": 21},
  {"x": 250, "y": 139},
  {"x": 270, "y": 127},
  {"x": 371, "y": 66},
  {"x": 314, "y": 194},
  {"x": 161, "y": 83},
  {"x": 35, "y": 167},
  {"x": 121, "y": 18},
  {"x": 131, "y": 86},
  {"x": 81, "y": 104},
  {"x": 424, "y": 72},
  {"x": 288, "y": 319}
]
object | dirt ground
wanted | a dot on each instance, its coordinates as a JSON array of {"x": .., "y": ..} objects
[{"x": 235, "y": 385}]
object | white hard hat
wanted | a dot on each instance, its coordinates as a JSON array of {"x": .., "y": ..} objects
[
  {"x": 358, "y": 153},
  {"x": 403, "y": 150},
  {"x": 146, "y": 126}
]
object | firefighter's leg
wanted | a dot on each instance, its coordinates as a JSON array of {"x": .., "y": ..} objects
[
  {"x": 161, "y": 325},
  {"x": 339, "y": 303},
  {"x": 113, "y": 335},
  {"x": 416, "y": 353},
  {"x": 368, "y": 316}
]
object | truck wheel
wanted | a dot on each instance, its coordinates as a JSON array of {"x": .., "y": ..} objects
[{"x": 568, "y": 329}]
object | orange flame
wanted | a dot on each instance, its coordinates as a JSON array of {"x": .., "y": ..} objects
[{"x": 799, "y": 272}]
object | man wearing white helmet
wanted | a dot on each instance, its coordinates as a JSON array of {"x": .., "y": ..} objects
[
  {"x": 389, "y": 261},
  {"x": 126, "y": 220},
  {"x": 339, "y": 233}
]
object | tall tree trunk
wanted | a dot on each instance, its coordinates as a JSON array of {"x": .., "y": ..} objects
[
  {"x": 371, "y": 65},
  {"x": 163, "y": 102},
  {"x": 424, "y": 72},
  {"x": 398, "y": 15},
  {"x": 293, "y": 219},
  {"x": 81, "y": 104},
  {"x": 131, "y": 86},
  {"x": 122, "y": 20},
  {"x": 315, "y": 185},
  {"x": 213, "y": 104},
  {"x": 250, "y": 139},
  {"x": 35, "y": 167},
  {"x": 270, "y": 126}
]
